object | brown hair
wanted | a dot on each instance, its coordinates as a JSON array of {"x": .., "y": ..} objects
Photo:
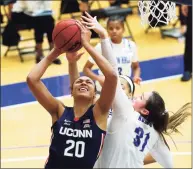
[{"x": 159, "y": 116}]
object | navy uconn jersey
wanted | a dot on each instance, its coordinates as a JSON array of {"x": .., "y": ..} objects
[{"x": 75, "y": 143}]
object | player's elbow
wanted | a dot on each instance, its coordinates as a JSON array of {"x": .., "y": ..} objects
[
  {"x": 170, "y": 163},
  {"x": 31, "y": 80}
]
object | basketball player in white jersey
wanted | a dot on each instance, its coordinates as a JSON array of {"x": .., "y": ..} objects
[
  {"x": 136, "y": 127},
  {"x": 124, "y": 50}
]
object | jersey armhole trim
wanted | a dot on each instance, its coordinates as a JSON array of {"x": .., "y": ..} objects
[
  {"x": 60, "y": 116},
  {"x": 103, "y": 131}
]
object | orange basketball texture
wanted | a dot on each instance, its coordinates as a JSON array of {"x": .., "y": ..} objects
[{"x": 67, "y": 36}]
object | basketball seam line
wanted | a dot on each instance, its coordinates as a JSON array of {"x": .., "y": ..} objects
[
  {"x": 68, "y": 40},
  {"x": 78, "y": 46},
  {"x": 62, "y": 30}
]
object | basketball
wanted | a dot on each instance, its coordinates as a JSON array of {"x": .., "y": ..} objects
[{"x": 67, "y": 36}]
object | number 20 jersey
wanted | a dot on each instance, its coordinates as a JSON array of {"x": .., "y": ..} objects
[{"x": 75, "y": 143}]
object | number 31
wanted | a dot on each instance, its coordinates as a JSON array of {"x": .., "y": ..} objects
[{"x": 137, "y": 140}]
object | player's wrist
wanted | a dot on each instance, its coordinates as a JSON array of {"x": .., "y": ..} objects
[
  {"x": 86, "y": 44},
  {"x": 105, "y": 40},
  {"x": 103, "y": 35},
  {"x": 72, "y": 62},
  {"x": 53, "y": 54}
]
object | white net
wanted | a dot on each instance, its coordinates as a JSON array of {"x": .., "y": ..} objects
[{"x": 156, "y": 12}]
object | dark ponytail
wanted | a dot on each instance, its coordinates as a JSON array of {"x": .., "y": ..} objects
[{"x": 159, "y": 116}]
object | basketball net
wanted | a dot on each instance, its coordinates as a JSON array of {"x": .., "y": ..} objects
[{"x": 155, "y": 12}]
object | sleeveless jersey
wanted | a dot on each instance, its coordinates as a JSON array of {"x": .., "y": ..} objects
[
  {"x": 75, "y": 143},
  {"x": 130, "y": 137}
]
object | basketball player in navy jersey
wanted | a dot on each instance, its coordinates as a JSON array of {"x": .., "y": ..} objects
[{"x": 77, "y": 132}]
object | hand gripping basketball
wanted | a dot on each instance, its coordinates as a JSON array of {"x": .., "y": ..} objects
[{"x": 67, "y": 36}]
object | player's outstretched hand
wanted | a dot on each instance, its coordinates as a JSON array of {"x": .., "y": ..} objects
[
  {"x": 85, "y": 33},
  {"x": 92, "y": 23},
  {"x": 73, "y": 56}
]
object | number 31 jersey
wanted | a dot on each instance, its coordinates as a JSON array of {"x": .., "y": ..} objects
[
  {"x": 75, "y": 143},
  {"x": 127, "y": 142}
]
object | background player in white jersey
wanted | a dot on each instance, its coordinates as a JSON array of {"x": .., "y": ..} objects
[
  {"x": 127, "y": 85},
  {"x": 129, "y": 88},
  {"x": 124, "y": 50},
  {"x": 136, "y": 127}
]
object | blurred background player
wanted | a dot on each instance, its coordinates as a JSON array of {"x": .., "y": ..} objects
[
  {"x": 36, "y": 15},
  {"x": 187, "y": 11},
  {"x": 127, "y": 85},
  {"x": 124, "y": 50}
]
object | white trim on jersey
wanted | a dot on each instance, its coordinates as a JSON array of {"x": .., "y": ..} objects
[
  {"x": 101, "y": 146},
  {"x": 52, "y": 136}
]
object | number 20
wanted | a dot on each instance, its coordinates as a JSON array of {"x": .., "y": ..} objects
[
  {"x": 137, "y": 140},
  {"x": 79, "y": 146}
]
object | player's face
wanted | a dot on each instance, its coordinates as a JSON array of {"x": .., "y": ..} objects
[
  {"x": 83, "y": 86},
  {"x": 139, "y": 103},
  {"x": 115, "y": 30},
  {"x": 126, "y": 88}
]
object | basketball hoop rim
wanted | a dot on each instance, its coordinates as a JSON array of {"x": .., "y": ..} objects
[{"x": 182, "y": 2}]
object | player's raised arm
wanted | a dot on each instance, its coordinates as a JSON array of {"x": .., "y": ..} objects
[
  {"x": 109, "y": 87},
  {"x": 72, "y": 66},
  {"x": 37, "y": 87},
  {"x": 162, "y": 154},
  {"x": 120, "y": 99},
  {"x": 87, "y": 70}
]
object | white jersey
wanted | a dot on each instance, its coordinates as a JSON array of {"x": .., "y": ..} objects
[
  {"x": 128, "y": 140},
  {"x": 129, "y": 137},
  {"x": 125, "y": 53},
  {"x": 32, "y": 7}
]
